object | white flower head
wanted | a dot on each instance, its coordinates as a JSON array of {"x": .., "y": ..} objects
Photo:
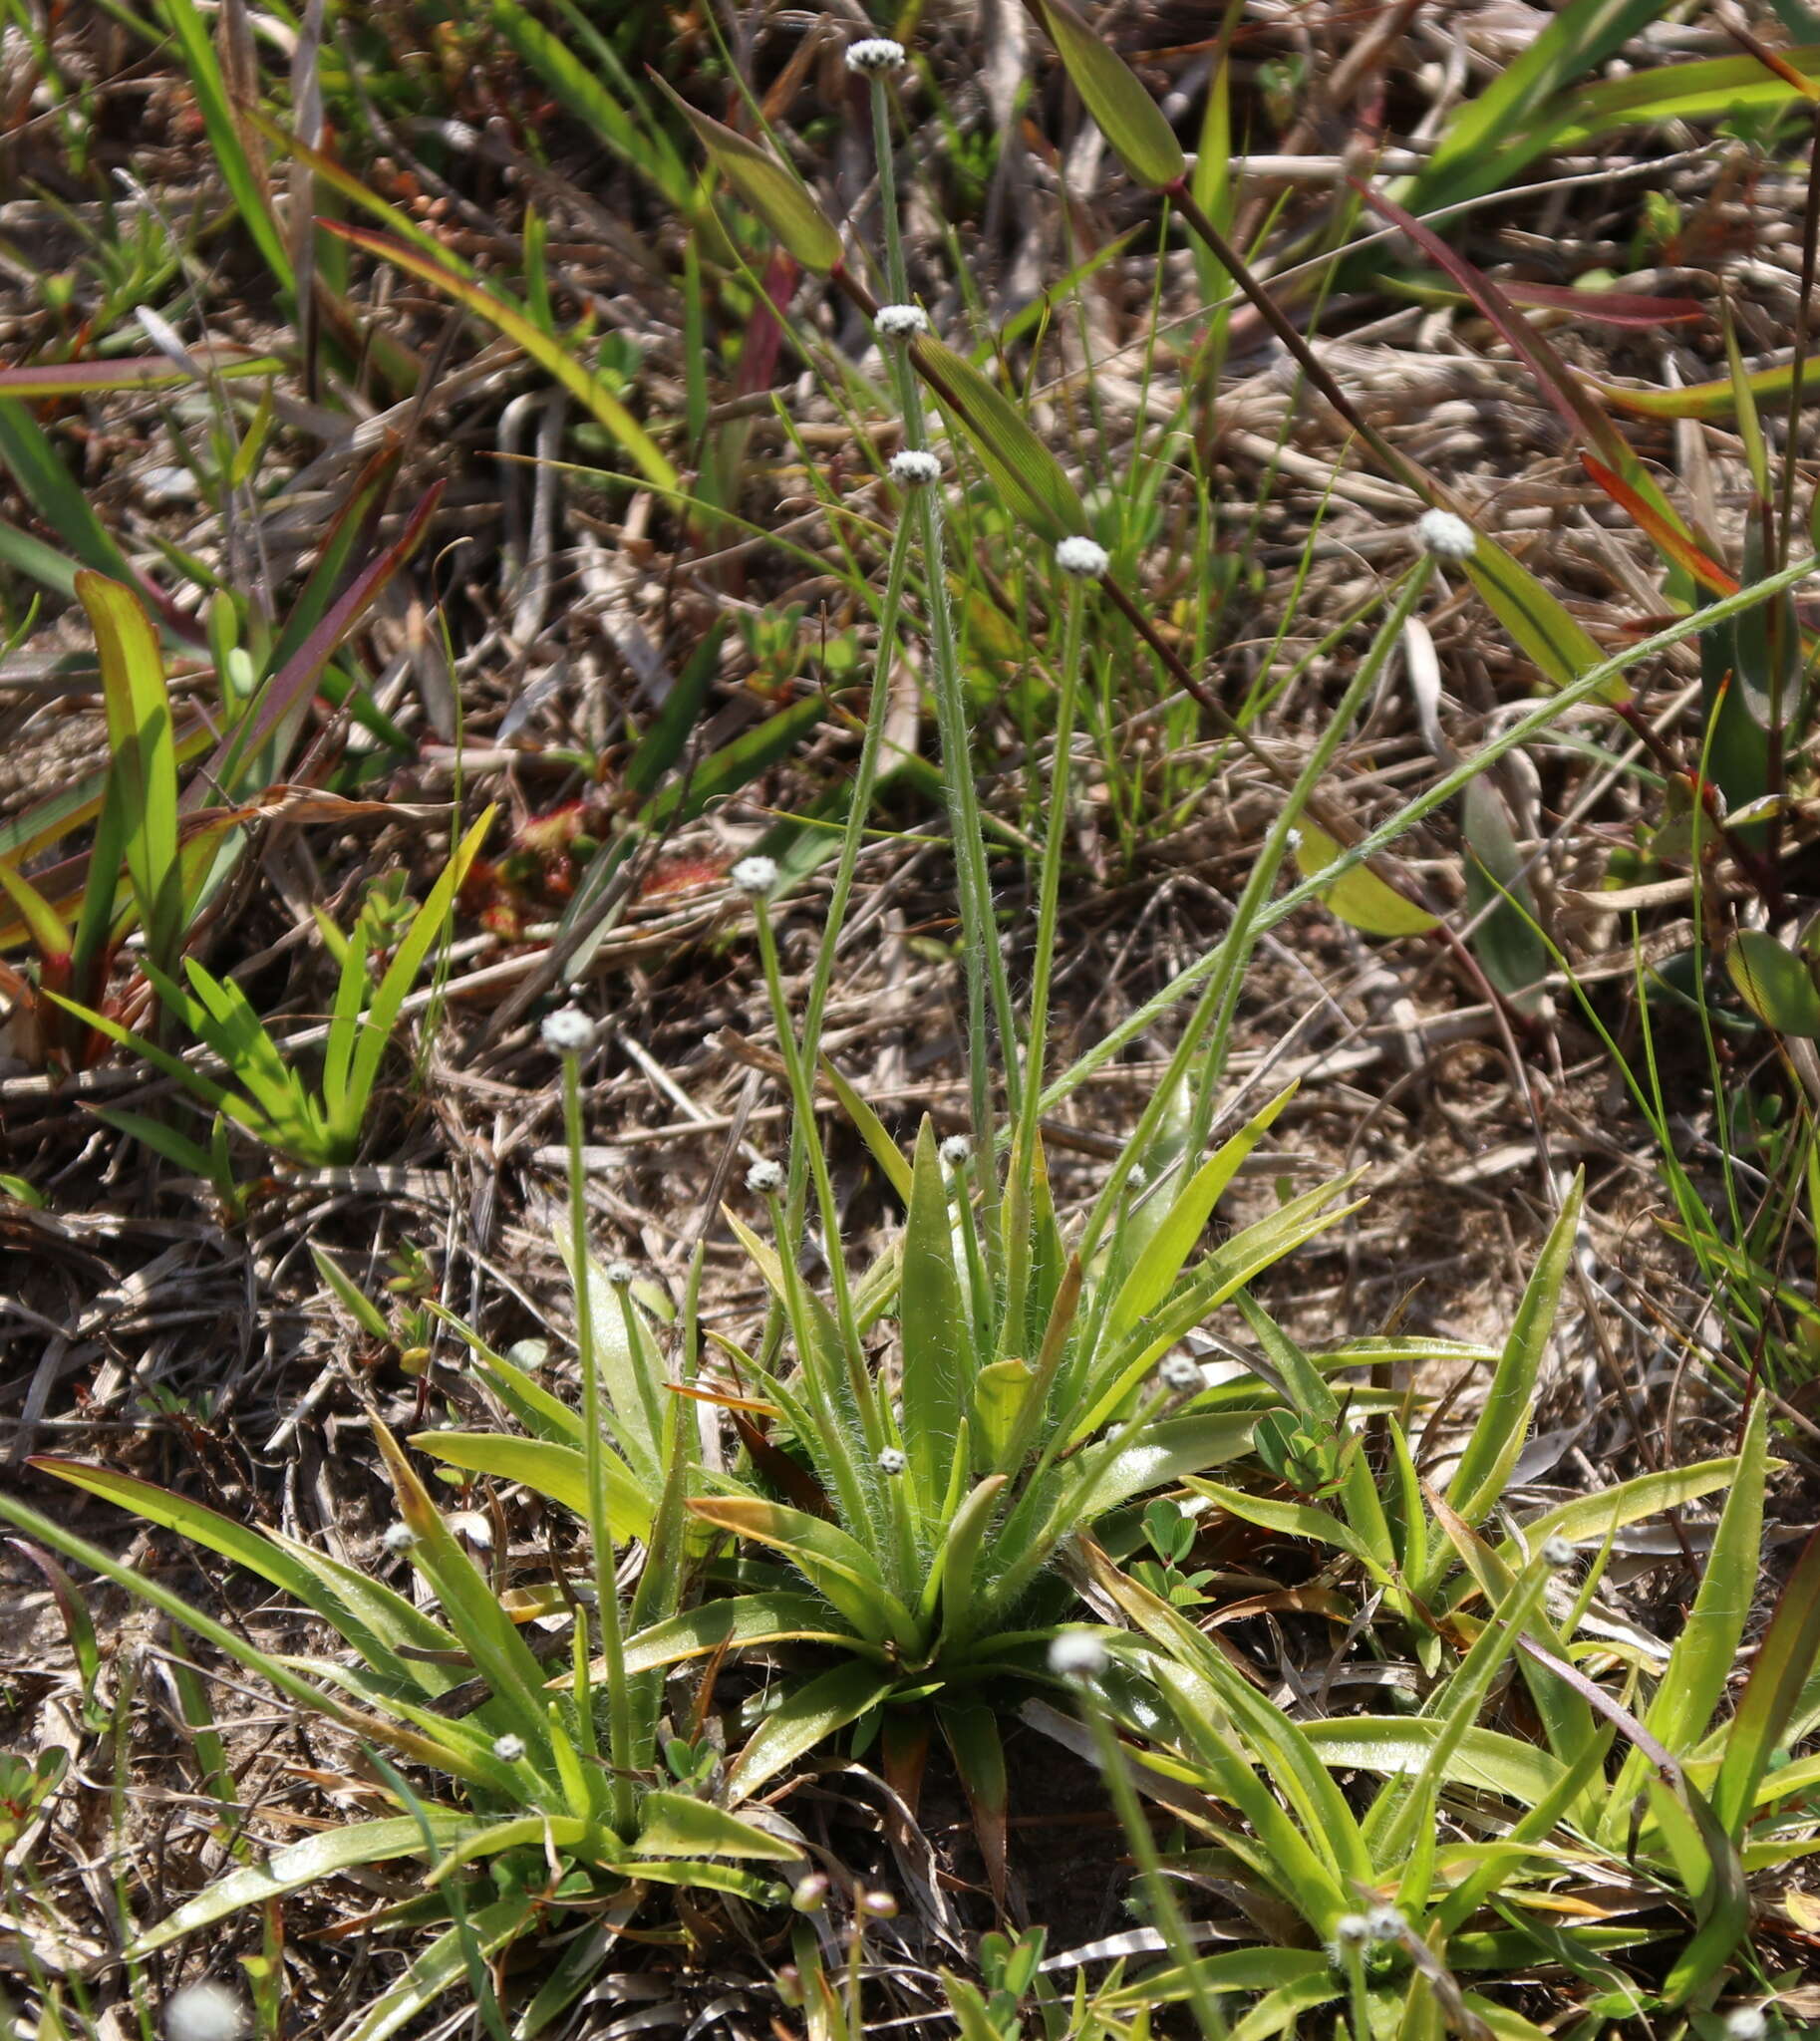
[
  {"x": 1085, "y": 558},
  {"x": 1077, "y": 1655},
  {"x": 1746, "y": 2023},
  {"x": 892, "y": 1461},
  {"x": 1444, "y": 536},
  {"x": 899, "y": 321},
  {"x": 1180, "y": 1375},
  {"x": 1558, "y": 1553},
  {"x": 754, "y": 875},
  {"x": 204, "y": 2012},
  {"x": 881, "y": 1905},
  {"x": 398, "y": 1538},
  {"x": 765, "y": 1176},
  {"x": 873, "y": 55},
  {"x": 1350, "y": 1931},
  {"x": 619, "y": 1274},
  {"x": 914, "y": 469},
  {"x": 568, "y": 1031},
  {"x": 509, "y": 1749},
  {"x": 1137, "y": 1177},
  {"x": 1386, "y": 1924},
  {"x": 957, "y": 1151}
]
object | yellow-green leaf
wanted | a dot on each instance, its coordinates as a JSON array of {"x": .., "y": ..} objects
[{"x": 1359, "y": 898}]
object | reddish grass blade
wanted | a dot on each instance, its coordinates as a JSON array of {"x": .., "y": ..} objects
[
  {"x": 1665, "y": 537},
  {"x": 294, "y": 679},
  {"x": 45, "y": 380},
  {"x": 1608, "y": 308}
]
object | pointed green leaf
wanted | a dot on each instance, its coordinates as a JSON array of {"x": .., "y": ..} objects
[
  {"x": 771, "y": 188},
  {"x": 298, "y": 1865},
  {"x": 1774, "y": 982},
  {"x": 807, "y": 1717},
  {"x": 1497, "y": 1438},
  {"x": 1126, "y": 114},
  {"x": 679, "y": 1825},
  {"x": 1036, "y": 490},
  {"x": 558, "y": 1472},
  {"x": 934, "y": 1325}
]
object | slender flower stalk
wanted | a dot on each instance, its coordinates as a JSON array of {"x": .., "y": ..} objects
[
  {"x": 983, "y": 962},
  {"x": 1049, "y": 893},
  {"x": 872, "y": 1497},
  {"x": 567, "y": 1034}
]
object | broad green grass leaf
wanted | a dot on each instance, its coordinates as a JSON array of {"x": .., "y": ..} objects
[
  {"x": 48, "y": 932},
  {"x": 1786, "y": 1659},
  {"x": 1587, "y": 1518},
  {"x": 555, "y": 1471},
  {"x": 1700, "y": 1667},
  {"x": 242, "y": 175},
  {"x": 678, "y": 1825},
  {"x": 1218, "y": 1277},
  {"x": 1488, "y": 139},
  {"x": 468, "y": 1605},
  {"x": 872, "y": 1130},
  {"x": 231, "y": 1643},
  {"x": 544, "y": 1416},
  {"x": 936, "y": 1342},
  {"x": 1167, "y": 1252},
  {"x": 774, "y": 1617},
  {"x": 1484, "y": 1760},
  {"x": 345, "y": 1848},
  {"x": 1292, "y": 1520},
  {"x": 1166, "y": 1451},
  {"x": 807, "y": 1717},
  {"x": 369, "y": 1618},
  {"x": 630, "y": 1368},
  {"x": 1126, "y": 114},
  {"x": 354, "y": 1300},
  {"x": 953, "y": 1575},
  {"x": 443, "y": 1964},
  {"x": 770, "y": 188},
  {"x": 831, "y": 1560},
  {"x": 1541, "y": 627}
]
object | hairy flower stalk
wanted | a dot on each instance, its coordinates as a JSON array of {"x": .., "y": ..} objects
[
  {"x": 1049, "y": 894},
  {"x": 986, "y": 982},
  {"x": 620, "y": 1740},
  {"x": 864, "y": 1496}
]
